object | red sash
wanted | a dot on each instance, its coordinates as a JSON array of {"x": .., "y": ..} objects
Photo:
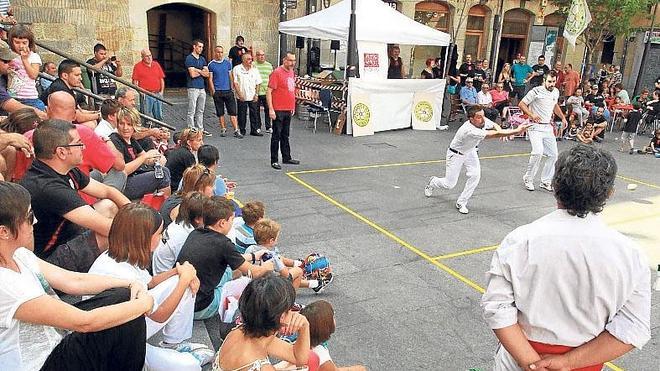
[{"x": 541, "y": 348}]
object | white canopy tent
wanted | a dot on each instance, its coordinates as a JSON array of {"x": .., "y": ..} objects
[
  {"x": 389, "y": 103},
  {"x": 375, "y": 22}
]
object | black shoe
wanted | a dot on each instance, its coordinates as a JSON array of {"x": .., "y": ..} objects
[
  {"x": 276, "y": 166},
  {"x": 256, "y": 134},
  {"x": 292, "y": 162}
]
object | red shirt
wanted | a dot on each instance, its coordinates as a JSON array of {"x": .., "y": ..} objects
[
  {"x": 148, "y": 78},
  {"x": 283, "y": 83}
]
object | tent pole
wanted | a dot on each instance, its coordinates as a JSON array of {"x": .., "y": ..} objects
[
  {"x": 352, "y": 45},
  {"x": 283, "y": 46}
]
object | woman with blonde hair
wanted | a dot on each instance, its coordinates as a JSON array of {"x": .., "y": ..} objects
[
  {"x": 505, "y": 77},
  {"x": 196, "y": 178},
  {"x": 185, "y": 155},
  {"x": 140, "y": 164},
  {"x": 135, "y": 232}
]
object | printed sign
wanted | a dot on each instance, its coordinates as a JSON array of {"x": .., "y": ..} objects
[
  {"x": 423, "y": 112},
  {"x": 361, "y": 115}
]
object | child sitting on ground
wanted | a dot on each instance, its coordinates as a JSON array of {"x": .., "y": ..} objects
[
  {"x": 631, "y": 122},
  {"x": 242, "y": 231},
  {"x": 654, "y": 145},
  {"x": 586, "y": 134},
  {"x": 266, "y": 234},
  {"x": 572, "y": 132}
]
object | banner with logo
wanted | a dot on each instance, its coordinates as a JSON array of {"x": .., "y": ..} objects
[
  {"x": 577, "y": 21},
  {"x": 361, "y": 115},
  {"x": 424, "y": 114},
  {"x": 373, "y": 60}
]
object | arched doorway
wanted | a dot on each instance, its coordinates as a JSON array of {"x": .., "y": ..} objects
[
  {"x": 171, "y": 28},
  {"x": 515, "y": 32},
  {"x": 436, "y": 15},
  {"x": 476, "y": 36}
]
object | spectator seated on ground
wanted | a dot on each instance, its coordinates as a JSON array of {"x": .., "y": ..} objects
[
  {"x": 266, "y": 234},
  {"x": 265, "y": 307},
  {"x": 182, "y": 157},
  {"x": 101, "y": 160},
  {"x": 196, "y": 178},
  {"x": 654, "y": 144},
  {"x": 586, "y": 134},
  {"x": 34, "y": 315},
  {"x": 108, "y": 124},
  {"x": 321, "y": 318},
  {"x": 599, "y": 123},
  {"x": 594, "y": 100},
  {"x": 70, "y": 76},
  {"x": 140, "y": 164},
  {"x": 575, "y": 105},
  {"x": 26, "y": 67},
  {"x": 486, "y": 101},
  {"x": 12, "y": 145},
  {"x": 147, "y": 137},
  {"x": 69, "y": 233},
  {"x": 20, "y": 121},
  {"x": 500, "y": 97},
  {"x": 209, "y": 156},
  {"x": 136, "y": 231},
  {"x": 13, "y": 161},
  {"x": 214, "y": 256},
  {"x": 190, "y": 217},
  {"x": 573, "y": 129},
  {"x": 244, "y": 232}
]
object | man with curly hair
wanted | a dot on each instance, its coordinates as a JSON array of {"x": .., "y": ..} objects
[{"x": 567, "y": 286}]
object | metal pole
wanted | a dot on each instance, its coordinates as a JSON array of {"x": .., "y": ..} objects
[
  {"x": 283, "y": 46},
  {"x": 497, "y": 38},
  {"x": 100, "y": 98},
  {"x": 646, "y": 51},
  {"x": 105, "y": 73},
  {"x": 352, "y": 46}
]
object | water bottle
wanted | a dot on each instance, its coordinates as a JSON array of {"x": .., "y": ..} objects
[{"x": 158, "y": 170}]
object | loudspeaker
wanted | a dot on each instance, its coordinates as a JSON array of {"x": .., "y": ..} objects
[
  {"x": 300, "y": 42},
  {"x": 334, "y": 45}
]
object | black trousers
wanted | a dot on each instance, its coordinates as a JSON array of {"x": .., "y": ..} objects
[
  {"x": 279, "y": 140},
  {"x": 243, "y": 108},
  {"x": 118, "y": 348},
  {"x": 263, "y": 102}
]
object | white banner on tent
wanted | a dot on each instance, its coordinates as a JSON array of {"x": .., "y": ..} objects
[
  {"x": 361, "y": 115},
  {"x": 373, "y": 60},
  {"x": 424, "y": 115},
  {"x": 391, "y": 101}
]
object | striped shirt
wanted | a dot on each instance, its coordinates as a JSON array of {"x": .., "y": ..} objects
[
  {"x": 265, "y": 69},
  {"x": 4, "y": 7}
]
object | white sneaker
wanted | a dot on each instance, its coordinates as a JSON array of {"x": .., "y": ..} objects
[
  {"x": 462, "y": 209},
  {"x": 546, "y": 186},
  {"x": 529, "y": 184},
  {"x": 443, "y": 127},
  {"x": 428, "y": 190}
]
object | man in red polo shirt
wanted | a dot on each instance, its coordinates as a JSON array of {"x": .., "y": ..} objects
[
  {"x": 148, "y": 75},
  {"x": 282, "y": 103}
]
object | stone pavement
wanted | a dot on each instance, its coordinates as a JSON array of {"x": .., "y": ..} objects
[{"x": 398, "y": 305}]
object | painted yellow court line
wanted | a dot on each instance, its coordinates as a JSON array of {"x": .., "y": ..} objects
[
  {"x": 651, "y": 185},
  {"x": 389, "y": 234},
  {"x": 375, "y": 166},
  {"x": 467, "y": 252}
]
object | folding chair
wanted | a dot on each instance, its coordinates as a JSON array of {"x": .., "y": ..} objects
[{"x": 316, "y": 110}]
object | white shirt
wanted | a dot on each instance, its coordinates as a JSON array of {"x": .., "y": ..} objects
[
  {"x": 468, "y": 136},
  {"x": 165, "y": 255},
  {"x": 104, "y": 129},
  {"x": 24, "y": 346},
  {"x": 542, "y": 102},
  {"x": 485, "y": 99},
  {"x": 247, "y": 81},
  {"x": 104, "y": 265},
  {"x": 323, "y": 354},
  {"x": 566, "y": 279}
]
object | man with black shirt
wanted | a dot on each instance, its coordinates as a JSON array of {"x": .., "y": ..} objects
[
  {"x": 69, "y": 77},
  {"x": 595, "y": 98},
  {"x": 466, "y": 69},
  {"x": 540, "y": 70},
  {"x": 102, "y": 84},
  {"x": 236, "y": 52},
  {"x": 69, "y": 233},
  {"x": 214, "y": 256},
  {"x": 599, "y": 121},
  {"x": 479, "y": 75}
]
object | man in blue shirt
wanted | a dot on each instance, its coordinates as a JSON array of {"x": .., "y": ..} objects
[
  {"x": 220, "y": 83},
  {"x": 522, "y": 72},
  {"x": 469, "y": 93},
  {"x": 197, "y": 71}
]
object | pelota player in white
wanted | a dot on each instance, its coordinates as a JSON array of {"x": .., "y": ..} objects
[{"x": 463, "y": 151}]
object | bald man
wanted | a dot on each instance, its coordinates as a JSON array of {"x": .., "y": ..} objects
[
  {"x": 149, "y": 75},
  {"x": 101, "y": 160},
  {"x": 265, "y": 69}
]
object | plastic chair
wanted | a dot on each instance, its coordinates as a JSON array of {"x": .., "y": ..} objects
[{"x": 316, "y": 110}]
